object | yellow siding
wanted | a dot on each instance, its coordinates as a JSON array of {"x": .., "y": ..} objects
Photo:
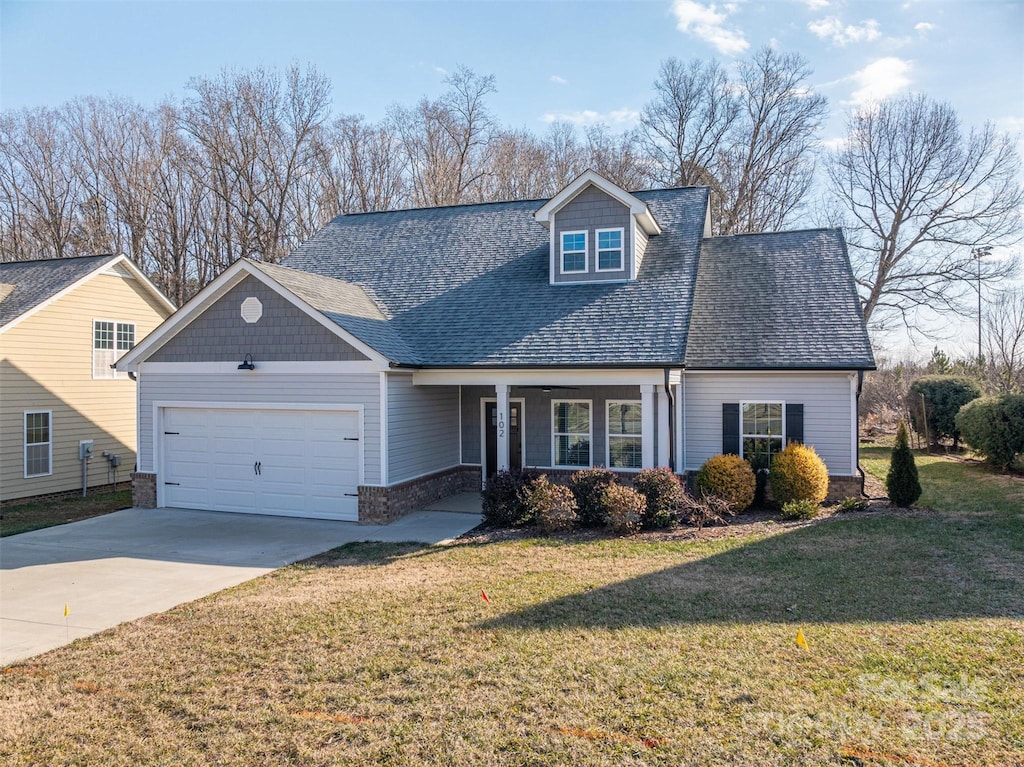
[{"x": 47, "y": 365}]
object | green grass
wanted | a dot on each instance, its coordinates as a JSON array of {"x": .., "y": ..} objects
[
  {"x": 590, "y": 652},
  {"x": 21, "y": 517}
]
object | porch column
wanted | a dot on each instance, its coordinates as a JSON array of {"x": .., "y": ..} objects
[
  {"x": 663, "y": 429},
  {"x": 501, "y": 391},
  {"x": 647, "y": 423}
]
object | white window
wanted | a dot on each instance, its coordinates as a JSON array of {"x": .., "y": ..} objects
[
  {"x": 110, "y": 340},
  {"x": 625, "y": 443},
  {"x": 609, "y": 250},
  {"x": 761, "y": 432},
  {"x": 38, "y": 444},
  {"x": 571, "y": 432},
  {"x": 574, "y": 252}
]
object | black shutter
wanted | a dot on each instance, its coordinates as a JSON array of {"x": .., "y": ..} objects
[
  {"x": 731, "y": 428},
  {"x": 794, "y": 423}
]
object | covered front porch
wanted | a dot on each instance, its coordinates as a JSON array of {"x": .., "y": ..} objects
[{"x": 564, "y": 420}]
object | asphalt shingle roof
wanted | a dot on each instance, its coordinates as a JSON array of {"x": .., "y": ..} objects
[
  {"x": 468, "y": 285},
  {"x": 33, "y": 282},
  {"x": 780, "y": 300}
]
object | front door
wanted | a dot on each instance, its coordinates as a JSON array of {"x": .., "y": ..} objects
[{"x": 515, "y": 444}]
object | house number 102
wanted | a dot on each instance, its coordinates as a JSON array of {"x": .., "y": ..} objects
[{"x": 501, "y": 424}]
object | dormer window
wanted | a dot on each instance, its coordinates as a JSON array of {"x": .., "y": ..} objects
[
  {"x": 599, "y": 232},
  {"x": 574, "y": 252},
  {"x": 609, "y": 250}
]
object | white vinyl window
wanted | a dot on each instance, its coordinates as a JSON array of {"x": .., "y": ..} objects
[
  {"x": 571, "y": 432},
  {"x": 574, "y": 252},
  {"x": 625, "y": 435},
  {"x": 110, "y": 340},
  {"x": 38, "y": 443},
  {"x": 761, "y": 432},
  {"x": 609, "y": 250}
]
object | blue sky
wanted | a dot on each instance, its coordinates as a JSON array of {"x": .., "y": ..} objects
[
  {"x": 580, "y": 61},
  {"x": 583, "y": 62}
]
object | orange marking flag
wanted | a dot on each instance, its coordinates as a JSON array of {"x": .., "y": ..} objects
[{"x": 483, "y": 596}]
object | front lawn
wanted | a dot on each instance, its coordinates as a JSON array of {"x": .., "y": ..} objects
[
  {"x": 589, "y": 651},
  {"x": 23, "y": 516}
]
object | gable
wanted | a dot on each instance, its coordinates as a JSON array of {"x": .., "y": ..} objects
[
  {"x": 283, "y": 333},
  {"x": 590, "y": 211}
]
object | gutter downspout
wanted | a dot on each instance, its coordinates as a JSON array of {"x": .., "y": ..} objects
[
  {"x": 671, "y": 423},
  {"x": 860, "y": 469}
]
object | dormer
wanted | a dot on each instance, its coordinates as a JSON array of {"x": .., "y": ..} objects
[{"x": 599, "y": 232}]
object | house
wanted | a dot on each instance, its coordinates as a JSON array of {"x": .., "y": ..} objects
[
  {"x": 401, "y": 356},
  {"x": 63, "y": 324}
]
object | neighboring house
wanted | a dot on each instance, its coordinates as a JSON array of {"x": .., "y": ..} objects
[
  {"x": 63, "y": 324},
  {"x": 400, "y": 356}
]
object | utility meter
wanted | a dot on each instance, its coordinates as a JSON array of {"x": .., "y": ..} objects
[{"x": 85, "y": 449}]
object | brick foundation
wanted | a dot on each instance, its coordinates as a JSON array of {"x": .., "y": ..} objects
[
  {"x": 383, "y": 505},
  {"x": 143, "y": 490},
  {"x": 843, "y": 487}
]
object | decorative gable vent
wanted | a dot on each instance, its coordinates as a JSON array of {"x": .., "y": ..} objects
[{"x": 599, "y": 232}]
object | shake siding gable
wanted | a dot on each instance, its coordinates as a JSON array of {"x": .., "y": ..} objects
[
  {"x": 826, "y": 404},
  {"x": 46, "y": 364},
  {"x": 589, "y": 211},
  {"x": 423, "y": 428},
  {"x": 283, "y": 334}
]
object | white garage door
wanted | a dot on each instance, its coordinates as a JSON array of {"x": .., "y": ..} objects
[{"x": 297, "y": 463}]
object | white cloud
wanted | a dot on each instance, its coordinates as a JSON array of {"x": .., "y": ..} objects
[
  {"x": 558, "y": 80},
  {"x": 441, "y": 70},
  {"x": 837, "y": 142},
  {"x": 879, "y": 80},
  {"x": 705, "y": 22},
  {"x": 617, "y": 117},
  {"x": 924, "y": 27},
  {"x": 832, "y": 28},
  {"x": 816, "y": 5}
]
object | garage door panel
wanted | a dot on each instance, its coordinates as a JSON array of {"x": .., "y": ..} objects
[{"x": 306, "y": 466}]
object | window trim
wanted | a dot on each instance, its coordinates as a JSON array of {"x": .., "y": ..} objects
[
  {"x": 621, "y": 249},
  {"x": 608, "y": 433},
  {"x": 25, "y": 443},
  {"x": 782, "y": 434},
  {"x": 556, "y": 434},
  {"x": 562, "y": 251},
  {"x": 115, "y": 351}
]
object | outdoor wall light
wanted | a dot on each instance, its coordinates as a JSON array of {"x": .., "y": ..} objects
[{"x": 247, "y": 363}]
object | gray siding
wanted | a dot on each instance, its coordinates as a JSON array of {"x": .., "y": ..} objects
[
  {"x": 825, "y": 397},
  {"x": 284, "y": 333},
  {"x": 538, "y": 419},
  {"x": 591, "y": 210},
  {"x": 423, "y": 428},
  {"x": 641, "y": 245},
  {"x": 260, "y": 387}
]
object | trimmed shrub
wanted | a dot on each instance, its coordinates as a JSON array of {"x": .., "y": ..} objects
[
  {"x": 625, "y": 509},
  {"x": 800, "y": 509},
  {"x": 663, "y": 493},
  {"x": 588, "y": 486},
  {"x": 901, "y": 483},
  {"x": 505, "y": 499},
  {"x": 798, "y": 474},
  {"x": 730, "y": 478},
  {"x": 994, "y": 427},
  {"x": 551, "y": 505},
  {"x": 705, "y": 509},
  {"x": 943, "y": 398},
  {"x": 852, "y": 504}
]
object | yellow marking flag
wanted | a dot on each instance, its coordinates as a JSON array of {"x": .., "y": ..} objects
[
  {"x": 800, "y": 641},
  {"x": 67, "y": 612}
]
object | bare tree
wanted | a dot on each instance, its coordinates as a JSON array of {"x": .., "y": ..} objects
[
  {"x": 921, "y": 196},
  {"x": 1004, "y": 325},
  {"x": 445, "y": 141},
  {"x": 683, "y": 129},
  {"x": 519, "y": 167},
  {"x": 365, "y": 166},
  {"x": 617, "y": 157},
  {"x": 566, "y": 158},
  {"x": 767, "y": 169}
]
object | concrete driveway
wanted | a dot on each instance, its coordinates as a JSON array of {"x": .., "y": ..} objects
[{"x": 132, "y": 563}]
